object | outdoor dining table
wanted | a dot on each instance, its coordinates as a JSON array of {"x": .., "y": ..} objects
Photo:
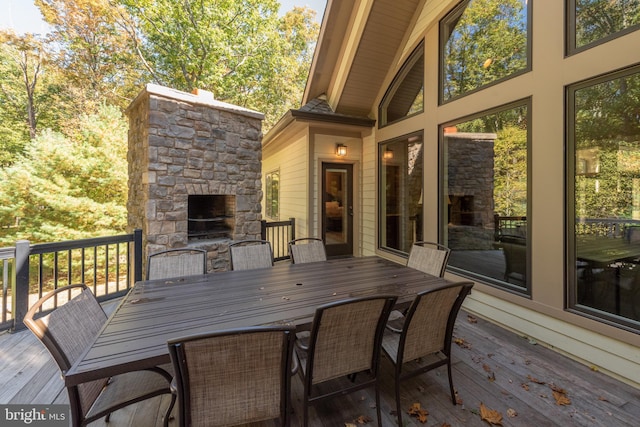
[{"x": 135, "y": 335}]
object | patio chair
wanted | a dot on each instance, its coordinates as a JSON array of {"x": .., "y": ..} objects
[
  {"x": 66, "y": 332},
  {"x": 425, "y": 340},
  {"x": 234, "y": 377},
  {"x": 344, "y": 341},
  {"x": 514, "y": 249},
  {"x": 307, "y": 249},
  {"x": 176, "y": 263},
  {"x": 250, "y": 254},
  {"x": 429, "y": 257}
]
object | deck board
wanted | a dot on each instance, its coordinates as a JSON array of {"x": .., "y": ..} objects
[{"x": 28, "y": 375}]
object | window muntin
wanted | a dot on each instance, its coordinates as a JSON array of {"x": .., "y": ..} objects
[
  {"x": 400, "y": 163},
  {"x": 405, "y": 96},
  {"x": 595, "y": 21},
  {"x": 482, "y": 42},
  {"x": 604, "y": 197},
  {"x": 485, "y": 196},
  {"x": 272, "y": 195}
]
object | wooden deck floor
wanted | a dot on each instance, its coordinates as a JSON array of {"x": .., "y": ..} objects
[{"x": 492, "y": 366}]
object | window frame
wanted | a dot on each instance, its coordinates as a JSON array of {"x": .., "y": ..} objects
[
  {"x": 570, "y": 250},
  {"x": 380, "y": 214},
  {"x": 268, "y": 195},
  {"x": 444, "y": 25},
  {"x": 443, "y": 218},
  {"x": 571, "y": 28},
  {"x": 398, "y": 79}
]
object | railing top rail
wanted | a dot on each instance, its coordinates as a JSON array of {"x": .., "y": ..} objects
[
  {"x": 8, "y": 253},
  {"x": 42, "y": 248}
]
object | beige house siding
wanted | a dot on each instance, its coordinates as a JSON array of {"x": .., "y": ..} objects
[{"x": 292, "y": 159}]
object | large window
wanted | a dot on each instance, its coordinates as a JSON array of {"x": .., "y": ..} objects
[
  {"x": 485, "y": 196},
  {"x": 604, "y": 196},
  {"x": 483, "y": 41},
  {"x": 400, "y": 192},
  {"x": 594, "y": 21},
  {"x": 272, "y": 195},
  {"x": 405, "y": 96}
]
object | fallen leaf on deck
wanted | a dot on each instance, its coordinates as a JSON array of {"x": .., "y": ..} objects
[
  {"x": 458, "y": 398},
  {"x": 462, "y": 343},
  {"x": 471, "y": 319},
  {"x": 363, "y": 419},
  {"x": 593, "y": 368},
  {"x": 418, "y": 412},
  {"x": 349, "y": 425},
  {"x": 535, "y": 380},
  {"x": 558, "y": 389},
  {"x": 445, "y": 425},
  {"x": 561, "y": 399},
  {"x": 525, "y": 386},
  {"x": 490, "y": 416},
  {"x": 511, "y": 413},
  {"x": 486, "y": 367},
  {"x": 604, "y": 399},
  {"x": 491, "y": 377}
]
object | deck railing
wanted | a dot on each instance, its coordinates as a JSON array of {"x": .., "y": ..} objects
[
  {"x": 108, "y": 265},
  {"x": 279, "y": 234}
]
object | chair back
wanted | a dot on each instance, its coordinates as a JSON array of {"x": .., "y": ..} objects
[
  {"x": 429, "y": 322},
  {"x": 250, "y": 254},
  {"x": 66, "y": 332},
  {"x": 233, "y": 377},
  {"x": 346, "y": 336},
  {"x": 307, "y": 249},
  {"x": 176, "y": 263},
  {"x": 429, "y": 257}
]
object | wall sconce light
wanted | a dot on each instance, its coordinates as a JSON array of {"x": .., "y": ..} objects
[
  {"x": 388, "y": 154},
  {"x": 341, "y": 150}
]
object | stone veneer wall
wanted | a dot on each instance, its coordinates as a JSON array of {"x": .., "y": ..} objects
[{"x": 183, "y": 144}]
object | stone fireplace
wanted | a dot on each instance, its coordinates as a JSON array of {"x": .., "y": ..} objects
[
  {"x": 194, "y": 172},
  {"x": 210, "y": 216}
]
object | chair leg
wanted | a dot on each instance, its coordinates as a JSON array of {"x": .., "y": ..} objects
[
  {"x": 398, "y": 405},
  {"x": 453, "y": 394},
  {"x": 378, "y": 411},
  {"x": 167, "y": 416}
]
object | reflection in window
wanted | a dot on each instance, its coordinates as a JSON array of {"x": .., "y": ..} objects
[
  {"x": 404, "y": 97},
  {"x": 485, "y": 196},
  {"x": 272, "y": 195},
  {"x": 604, "y": 140},
  {"x": 598, "y": 19},
  {"x": 483, "y": 41},
  {"x": 401, "y": 162}
]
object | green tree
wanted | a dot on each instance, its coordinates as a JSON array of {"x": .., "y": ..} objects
[
  {"x": 68, "y": 187},
  {"x": 238, "y": 49},
  {"x": 29, "y": 92},
  {"x": 93, "y": 52}
]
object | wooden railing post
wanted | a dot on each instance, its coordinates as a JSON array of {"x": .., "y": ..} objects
[
  {"x": 137, "y": 255},
  {"x": 20, "y": 291}
]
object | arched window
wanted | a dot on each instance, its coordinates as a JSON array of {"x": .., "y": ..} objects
[{"x": 404, "y": 98}]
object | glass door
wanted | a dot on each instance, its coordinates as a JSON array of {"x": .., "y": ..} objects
[{"x": 337, "y": 208}]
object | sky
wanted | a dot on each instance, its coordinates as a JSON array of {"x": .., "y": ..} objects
[{"x": 23, "y": 16}]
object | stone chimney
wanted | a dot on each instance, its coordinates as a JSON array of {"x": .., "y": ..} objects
[{"x": 194, "y": 172}]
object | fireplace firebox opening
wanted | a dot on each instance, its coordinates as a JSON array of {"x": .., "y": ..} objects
[{"x": 211, "y": 216}]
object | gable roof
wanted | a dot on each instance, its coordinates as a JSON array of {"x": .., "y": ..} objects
[{"x": 358, "y": 43}]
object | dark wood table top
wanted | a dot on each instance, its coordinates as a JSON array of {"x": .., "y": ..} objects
[
  {"x": 135, "y": 335},
  {"x": 605, "y": 250}
]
